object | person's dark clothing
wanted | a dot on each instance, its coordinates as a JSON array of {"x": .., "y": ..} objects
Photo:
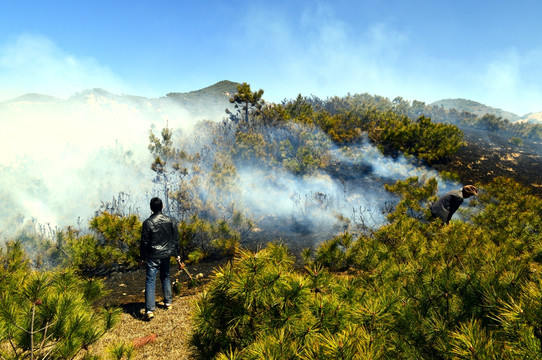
[
  {"x": 159, "y": 241},
  {"x": 159, "y": 238},
  {"x": 447, "y": 205}
]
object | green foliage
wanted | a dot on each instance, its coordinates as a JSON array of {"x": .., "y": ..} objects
[
  {"x": 426, "y": 140},
  {"x": 114, "y": 241},
  {"x": 491, "y": 123},
  {"x": 263, "y": 308},
  {"x": 247, "y": 103},
  {"x": 307, "y": 154},
  {"x": 119, "y": 234},
  {"x": 241, "y": 299},
  {"x": 201, "y": 238},
  {"x": 388, "y": 124},
  {"x": 447, "y": 175},
  {"x": 122, "y": 350},
  {"x": 300, "y": 109},
  {"x": 252, "y": 146},
  {"x": 514, "y": 140},
  {"x": 415, "y": 197},
  {"x": 332, "y": 253},
  {"x": 413, "y": 289},
  {"x": 47, "y": 314}
]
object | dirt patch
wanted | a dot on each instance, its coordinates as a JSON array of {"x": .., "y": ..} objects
[
  {"x": 171, "y": 329},
  {"x": 167, "y": 335}
]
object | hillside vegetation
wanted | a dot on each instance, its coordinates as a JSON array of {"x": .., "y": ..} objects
[
  {"x": 407, "y": 288},
  {"x": 412, "y": 289}
]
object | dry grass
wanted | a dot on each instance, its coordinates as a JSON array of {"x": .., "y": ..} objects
[{"x": 171, "y": 327}]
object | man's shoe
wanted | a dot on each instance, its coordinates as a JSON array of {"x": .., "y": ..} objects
[
  {"x": 168, "y": 306},
  {"x": 149, "y": 315}
]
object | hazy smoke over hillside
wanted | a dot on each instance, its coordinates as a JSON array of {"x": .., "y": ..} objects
[
  {"x": 62, "y": 158},
  {"x": 319, "y": 204}
]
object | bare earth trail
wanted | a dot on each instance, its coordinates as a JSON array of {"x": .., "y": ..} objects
[{"x": 165, "y": 336}]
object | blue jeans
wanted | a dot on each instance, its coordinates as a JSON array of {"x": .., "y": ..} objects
[{"x": 152, "y": 267}]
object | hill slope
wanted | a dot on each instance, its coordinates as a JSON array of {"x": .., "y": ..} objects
[
  {"x": 214, "y": 97},
  {"x": 475, "y": 108},
  {"x": 487, "y": 155},
  {"x": 535, "y": 118}
]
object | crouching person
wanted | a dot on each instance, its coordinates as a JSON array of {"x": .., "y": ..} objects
[
  {"x": 159, "y": 242},
  {"x": 448, "y": 204}
]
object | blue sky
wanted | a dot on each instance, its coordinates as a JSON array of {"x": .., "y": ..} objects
[{"x": 486, "y": 51}]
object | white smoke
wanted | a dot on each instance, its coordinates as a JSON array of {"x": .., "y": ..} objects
[
  {"x": 60, "y": 159},
  {"x": 322, "y": 202},
  {"x": 319, "y": 50}
]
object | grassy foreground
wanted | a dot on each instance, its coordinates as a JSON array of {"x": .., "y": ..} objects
[{"x": 171, "y": 328}]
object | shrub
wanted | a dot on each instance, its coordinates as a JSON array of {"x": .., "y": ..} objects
[
  {"x": 201, "y": 238},
  {"x": 426, "y": 140},
  {"x": 412, "y": 289},
  {"x": 260, "y": 307},
  {"x": 47, "y": 314},
  {"x": 114, "y": 240}
]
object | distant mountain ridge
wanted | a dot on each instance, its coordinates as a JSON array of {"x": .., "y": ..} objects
[
  {"x": 216, "y": 97},
  {"x": 479, "y": 109},
  {"x": 33, "y": 98},
  {"x": 475, "y": 108},
  {"x": 220, "y": 89},
  {"x": 535, "y": 118},
  {"x": 209, "y": 103}
]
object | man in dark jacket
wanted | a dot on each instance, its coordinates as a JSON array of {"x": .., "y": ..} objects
[
  {"x": 448, "y": 204},
  {"x": 159, "y": 242}
]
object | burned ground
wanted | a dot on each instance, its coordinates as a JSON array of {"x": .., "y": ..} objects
[
  {"x": 487, "y": 155},
  {"x": 126, "y": 288}
]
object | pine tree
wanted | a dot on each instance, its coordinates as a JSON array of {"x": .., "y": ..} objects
[
  {"x": 45, "y": 314},
  {"x": 248, "y": 105},
  {"x": 412, "y": 289}
]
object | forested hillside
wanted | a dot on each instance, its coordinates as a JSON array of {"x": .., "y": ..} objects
[{"x": 356, "y": 268}]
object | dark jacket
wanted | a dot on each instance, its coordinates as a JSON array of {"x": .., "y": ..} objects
[
  {"x": 447, "y": 205},
  {"x": 159, "y": 237}
]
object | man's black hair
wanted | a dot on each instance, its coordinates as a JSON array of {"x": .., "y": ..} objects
[{"x": 156, "y": 204}]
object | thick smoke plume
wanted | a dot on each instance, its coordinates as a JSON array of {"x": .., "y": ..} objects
[
  {"x": 322, "y": 205},
  {"x": 62, "y": 159}
]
